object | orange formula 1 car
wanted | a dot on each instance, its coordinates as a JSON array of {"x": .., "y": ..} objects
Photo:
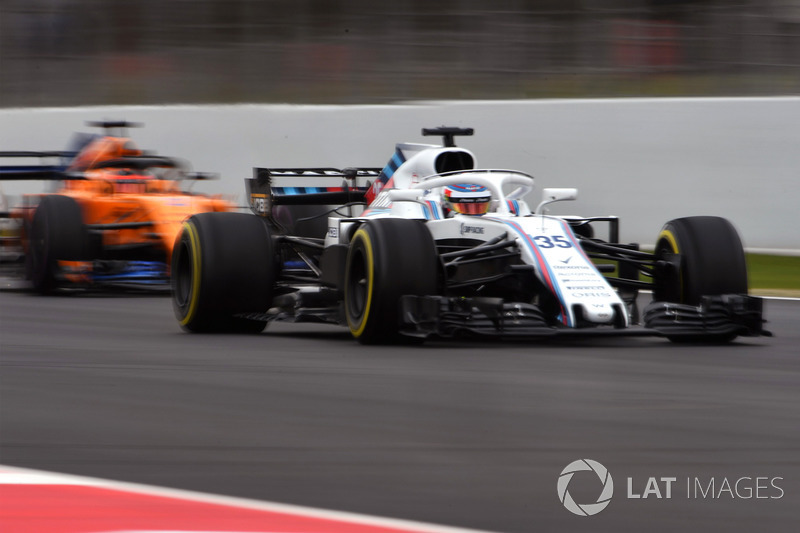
[{"x": 112, "y": 218}]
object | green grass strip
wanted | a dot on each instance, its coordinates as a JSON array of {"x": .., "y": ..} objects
[
  {"x": 773, "y": 272},
  {"x": 776, "y": 275}
]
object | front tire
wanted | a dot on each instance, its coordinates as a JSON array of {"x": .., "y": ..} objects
[
  {"x": 388, "y": 258},
  {"x": 708, "y": 260},
  {"x": 57, "y": 232},
  {"x": 223, "y": 267},
  {"x": 711, "y": 259}
]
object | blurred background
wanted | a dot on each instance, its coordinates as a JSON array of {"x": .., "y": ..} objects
[{"x": 78, "y": 52}]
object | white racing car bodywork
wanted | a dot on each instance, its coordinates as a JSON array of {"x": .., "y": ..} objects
[
  {"x": 391, "y": 259},
  {"x": 545, "y": 242}
]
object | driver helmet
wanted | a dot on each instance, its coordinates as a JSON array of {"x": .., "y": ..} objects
[{"x": 467, "y": 199}]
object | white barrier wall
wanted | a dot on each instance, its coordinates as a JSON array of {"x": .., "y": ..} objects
[{"x": 646, "y": 160}]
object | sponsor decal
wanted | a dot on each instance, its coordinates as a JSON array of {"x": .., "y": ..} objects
[
  {"x": 471, "y": 230},
  {"x": 259, "y": 204},
  {"x": 573, "y": 267},
  {"x": 591, "y": 294}
]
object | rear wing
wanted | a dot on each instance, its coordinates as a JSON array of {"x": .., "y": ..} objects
[
  {"x": 262, "y": 195},
  {"x": 55, "y": 171}
]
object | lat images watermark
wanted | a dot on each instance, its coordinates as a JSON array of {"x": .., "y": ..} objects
[
  {"x": 585, "y": 509},
  {"x": 664, "y": 487}
]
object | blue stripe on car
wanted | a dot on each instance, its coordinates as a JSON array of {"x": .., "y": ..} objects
[{"x": 537, "y": 255}]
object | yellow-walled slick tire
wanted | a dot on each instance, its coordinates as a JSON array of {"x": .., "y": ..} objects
[
  {"x": 223, "y": 267},
  {"x": 388, "y": 258},
  {"x": 712, "y": 260},
  {"x": 708, "y": 260}
]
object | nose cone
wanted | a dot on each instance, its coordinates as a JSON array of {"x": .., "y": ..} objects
[{"x": 598, "y": 312}]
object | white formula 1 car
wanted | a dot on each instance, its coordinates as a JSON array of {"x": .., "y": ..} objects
[{"x": 436, "y": 247}]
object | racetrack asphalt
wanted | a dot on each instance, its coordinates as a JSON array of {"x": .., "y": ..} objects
[{"x": 464, "y": 433}]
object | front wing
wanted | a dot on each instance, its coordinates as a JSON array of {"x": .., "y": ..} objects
[{"x": 716, "y": 317}]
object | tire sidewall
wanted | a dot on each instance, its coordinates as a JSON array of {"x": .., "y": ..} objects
[
  {"x": 398, "y": 257},
  {"x": 711, "y": 258},
  {"x": 57, "y": 232},
  {"x": 231, "y": 267},
  {"x": 360, "y": 261}
]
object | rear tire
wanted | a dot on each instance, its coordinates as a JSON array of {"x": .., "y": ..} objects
[
  {"x": 223, "y": 265},
  {"x": 388, "y": 258},
  {"x": 57, "y": 232}
]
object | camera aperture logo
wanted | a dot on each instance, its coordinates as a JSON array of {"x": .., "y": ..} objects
[{"x": 585, "y": 509}]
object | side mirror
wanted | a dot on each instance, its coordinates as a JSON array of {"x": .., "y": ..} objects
[{"x": 551, "y": 195}]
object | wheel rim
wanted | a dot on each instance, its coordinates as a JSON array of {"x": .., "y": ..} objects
[
  {"x": 183, "y": 277},
  {"x": 672, "y": 290},
  {"x": 358, "y": 286},
  {"x": 37, "y": 254},
  {"x": 38, "y": 246}
]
